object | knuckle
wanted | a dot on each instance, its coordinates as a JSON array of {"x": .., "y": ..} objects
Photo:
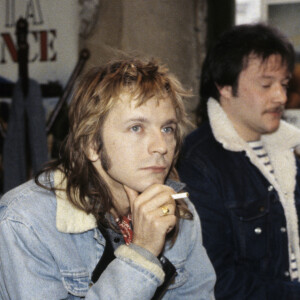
[
  {"x": 171, "y": 190},
  {"x": 157, "y": 186},
  {"x": 168, "y": 190},
  {"x": 143, "y": 210}
]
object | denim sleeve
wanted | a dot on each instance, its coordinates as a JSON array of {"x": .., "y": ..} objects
[
  {"x": 147, "y": 254},
  {"x": 205, "y": 270},
  {"x": 129, "y": 276},
  {"x": 201, "y": 275},
  {"x": 27, "y": 270},
  {"x": 233, "y": 281}
]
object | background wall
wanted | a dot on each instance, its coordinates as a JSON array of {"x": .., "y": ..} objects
[{"x": 172, "y": 31}]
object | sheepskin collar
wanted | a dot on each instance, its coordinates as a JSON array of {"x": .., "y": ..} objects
[
  {"x": 70, "y": 219},
  {"x": 286, "y": 137}
]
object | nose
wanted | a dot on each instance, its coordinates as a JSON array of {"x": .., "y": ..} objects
[
  {"x": 157, "y": 143},
  {"x": 280, "y": 94}
]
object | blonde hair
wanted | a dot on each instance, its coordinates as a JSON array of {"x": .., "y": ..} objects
[
  {"x": 94, "y": 96},
  {"x": 99, "y": 89}
]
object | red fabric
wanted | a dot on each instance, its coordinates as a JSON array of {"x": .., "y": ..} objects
[{"x": 125, "y": 226}]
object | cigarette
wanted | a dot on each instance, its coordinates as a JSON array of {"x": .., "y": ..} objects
[{"x": 180, "y": 196}]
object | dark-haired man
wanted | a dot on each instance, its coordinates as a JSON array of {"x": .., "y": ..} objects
[
  {"x": 240, "y": 167},
  {"x": 105, "y": 221}
]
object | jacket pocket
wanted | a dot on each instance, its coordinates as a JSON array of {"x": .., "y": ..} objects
[
  {"x": 251, "y": 229},
  {"x": 76, "y": 283}
]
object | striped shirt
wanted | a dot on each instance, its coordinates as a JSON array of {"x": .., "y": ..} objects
[{"x": 261, "y": 153}]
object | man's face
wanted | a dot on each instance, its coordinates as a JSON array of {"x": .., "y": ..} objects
[
  {"x": 139, "y": 143},
  {"x": 261, "y": 96}
]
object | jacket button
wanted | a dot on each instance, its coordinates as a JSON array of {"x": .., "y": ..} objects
[
  {"x": 258, "y": 230},
  {"x": 116, "y": 240},
  {"x": 286, "y": 273},
  {"x": 283, "y": 229},
  {"x": 270, "y": 188},
  {"x": 162, "y": 260}
]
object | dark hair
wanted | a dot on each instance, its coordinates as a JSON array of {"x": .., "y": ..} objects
[
  {"x": 95, "y": 95},
  {"x": 229, "y": 56}
]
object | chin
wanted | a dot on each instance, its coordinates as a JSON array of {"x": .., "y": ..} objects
[
  {"x": 271, "y": 130},
  {"x": 142, "y": 186}
]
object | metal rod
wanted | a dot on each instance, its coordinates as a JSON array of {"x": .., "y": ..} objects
[{"x": 83, "y": 57}]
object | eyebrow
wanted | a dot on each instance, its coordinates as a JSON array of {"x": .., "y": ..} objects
[
  {"x": 145, "y": 120},
  {"x": 171, "y": 121},
  {"x": 140, "y": 119},
  {"x": 288, "y": 77}
]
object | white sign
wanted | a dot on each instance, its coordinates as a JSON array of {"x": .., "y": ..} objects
[{"x": 52, "y": 38}]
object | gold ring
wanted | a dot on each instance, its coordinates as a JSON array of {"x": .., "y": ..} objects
[{"x": 165, "y": 210}]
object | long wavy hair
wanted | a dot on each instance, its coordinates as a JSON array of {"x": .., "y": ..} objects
[{"x": 94, "y": 96}]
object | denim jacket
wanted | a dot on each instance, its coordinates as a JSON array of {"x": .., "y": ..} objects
[
  {"x": 249, "y": 219},
  {"x": 49, "y": 249}
]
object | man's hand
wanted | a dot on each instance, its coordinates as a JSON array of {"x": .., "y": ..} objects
[{"x": 150, "y": 224}]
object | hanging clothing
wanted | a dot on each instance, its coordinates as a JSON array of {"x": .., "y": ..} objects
[{"x": 24, "y": 110}]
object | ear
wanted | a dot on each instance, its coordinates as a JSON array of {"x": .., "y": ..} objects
[
  {"x": 92, "y": 154},
  {"x": 225, "y": 91}
]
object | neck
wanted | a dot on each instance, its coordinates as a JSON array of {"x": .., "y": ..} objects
[
  {"x": 119, "y": 196},
  {"x": 121, "y": 203},
  {"x": 247, "y": 134}
]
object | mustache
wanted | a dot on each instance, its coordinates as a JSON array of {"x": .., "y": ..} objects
[{"x": 276, "y": 109}]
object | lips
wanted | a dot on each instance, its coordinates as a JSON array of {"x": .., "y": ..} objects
[{"x": 155, "y": 169}]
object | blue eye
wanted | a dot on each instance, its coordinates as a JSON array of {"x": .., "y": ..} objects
[
  {"x": 168, "y": 129},
  {"x": 135, "y": 128}
]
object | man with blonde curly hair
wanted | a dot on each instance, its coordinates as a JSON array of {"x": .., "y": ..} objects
[{"x": 109, "y": 219}]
